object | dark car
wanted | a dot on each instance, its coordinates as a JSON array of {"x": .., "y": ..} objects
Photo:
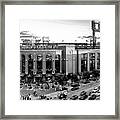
[
  {"x": 74, "y": 97},
  {"x": 83, "y": 97},
  {"x": 75, "y": 85},
  {"x": 92, "y": 97},
  {"x": 42, "y": 97},
  {"x": 38, "y": 84},
  {"x": 30, "y": 87},
  {"x": 62, "y": 96},
  {"x": 83, "y": 93},
  {"x": 35, "y": 94},
  {"x": 74, "y": 88},
  {"x": 98, "y": 87},
  {"x": 85, "y": 81},
  {"x": 21, "y": 85},
  {"x": 64, "y": 88}
]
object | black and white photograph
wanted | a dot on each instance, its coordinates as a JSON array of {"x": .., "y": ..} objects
[{"x": 59, "y": 59}]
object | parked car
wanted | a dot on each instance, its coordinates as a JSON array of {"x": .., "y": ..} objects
[
  {"x": 47, "y": 97},
  {"x": 75, "y": 85},
  {"x": 92, "y": 97},
  {"x": 98, "y": 87},
  {"x": 42, "y": 96},
  {"x": 64, "y": 88},
  {"x": 83, "y": 93},
  {"x": 35, "y": 94},
  {"x": 74, "y": 97},
  {"x": 30, "y": 87},
  {"x": 84, "y": 81},
  {"x": 95, "y": 90},
  {"x": 21, "y": 85},
  {"x": 74, "y": 88},
  {"x": 62, "y": 96},
  {"x": 83, "y": 97},
  {"x": 98, "y": 97}
]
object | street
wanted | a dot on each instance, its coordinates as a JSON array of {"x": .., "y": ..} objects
[{"x": 53, "y": 94}]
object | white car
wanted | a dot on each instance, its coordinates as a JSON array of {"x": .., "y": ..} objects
[{"x": 95, "y": 90}]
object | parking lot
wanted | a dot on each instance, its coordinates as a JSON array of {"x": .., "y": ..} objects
[{"x": 81, "y": 90}]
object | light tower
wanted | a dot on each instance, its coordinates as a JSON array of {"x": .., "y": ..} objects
[{"x": 95, "y": 28}]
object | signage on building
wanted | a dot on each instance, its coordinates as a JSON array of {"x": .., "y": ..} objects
[{"x": 39, "y": 46}]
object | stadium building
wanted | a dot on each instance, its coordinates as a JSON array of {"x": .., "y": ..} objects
[{"x": 51, "y": 58}]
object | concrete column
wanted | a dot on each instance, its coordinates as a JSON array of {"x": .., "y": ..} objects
[
  {"x": 79, "y": 63},
  {"x": 61, "y": 63},
  {"x": 20, "y": 63},
  {"x": 44, "y": 63},
  {"x": 73, "y": 62},
  {"x": 66, "y": 60},
  {"x": 96, "y": 60},
  {"x": 35, "y": 63},
  {"x": 69, "y": 60},
  {"x": 88, "y": 61},
  {"x": 53, "y": 63},
  {"x": 26, "y": 63}
]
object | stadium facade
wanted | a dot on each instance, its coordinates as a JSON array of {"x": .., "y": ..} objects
[{"x": 51, "y": 58}]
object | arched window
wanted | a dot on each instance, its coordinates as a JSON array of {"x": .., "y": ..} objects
[
  {"x": 49, "y": 63},
  {"x": 92, "y": 61},
  {"x": 39, "y": 63},
  {"x": 30, "y": 64},
  {"x": 23, "y": 63},
  {"x": 98, "y": 60},
  {"x": 57, "y": 63},
  {"x": 84, "y": 62}
]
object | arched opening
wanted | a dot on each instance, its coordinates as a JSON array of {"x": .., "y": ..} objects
[
  {"x": 92, "y": 61},
  {"x": 57, "y": 63},
  {"x": 39, "y": 64},
  {"x": 98, "y": 60},
  {"x": 84, "y": 62},
  {"x": 23, "y": 63},
  {"x": 30, "y": 64},
  {"x": 49, "y": 64}
]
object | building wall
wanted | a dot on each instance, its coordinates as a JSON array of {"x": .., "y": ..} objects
[
  {"x": 88, "y": 51},
  {"x": 73, "y": 62},
  {"x": 34, "y": 54},
  {"x": 70, "y": 59},
  {"x": 63, "y": 55}
]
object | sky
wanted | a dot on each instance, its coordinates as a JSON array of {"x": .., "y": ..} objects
[{"x": 58, "y": 30}]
